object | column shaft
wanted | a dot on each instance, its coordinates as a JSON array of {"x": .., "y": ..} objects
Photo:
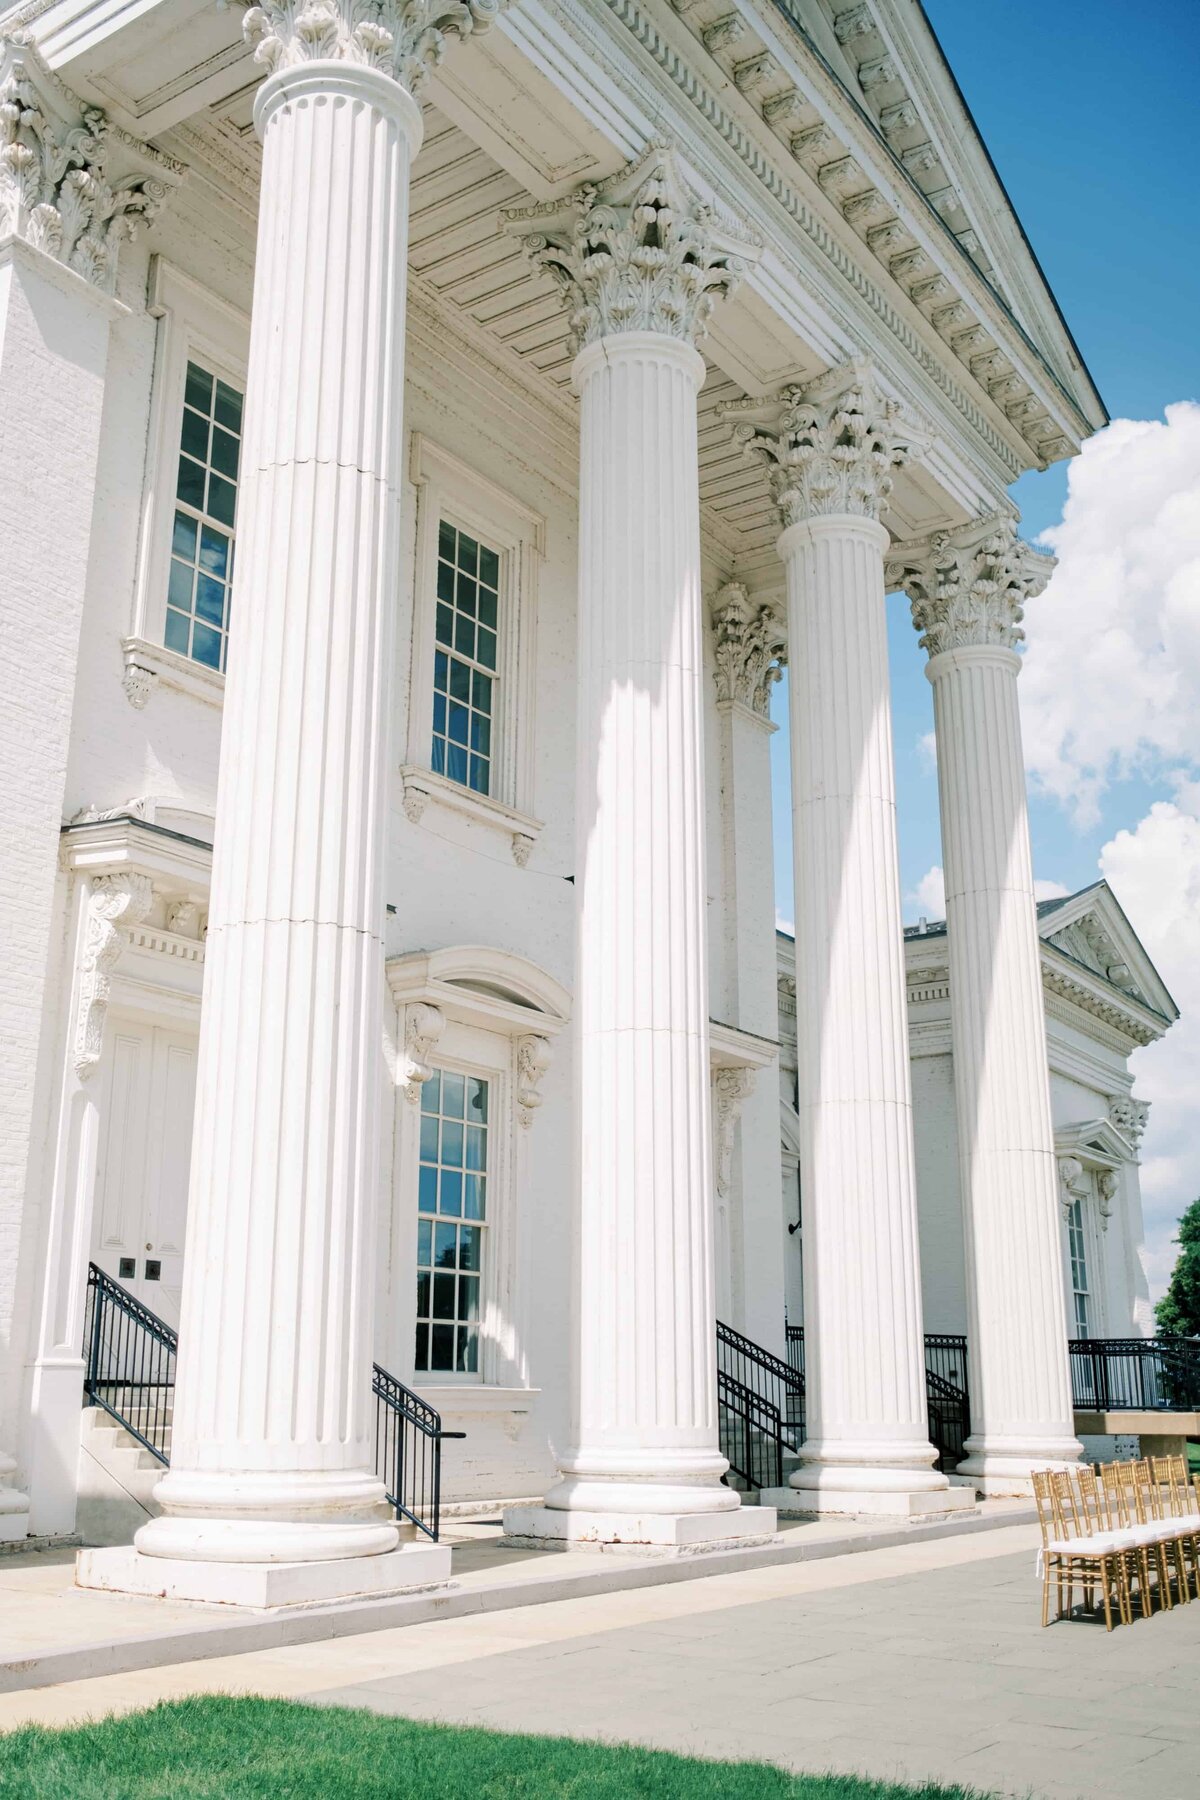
[
  {"x": 1021, "y": 1415},
  {"x": 647, "y": 1436},
  {"x": 272, "y": 1436},
  {"x": 868, "y": 1442}
]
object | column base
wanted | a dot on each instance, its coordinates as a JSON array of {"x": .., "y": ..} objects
[
  {"x": 1006, "y": 1466},
  {"x": 653, "y": 1534},
  {"x": 14, "y": 1506},
  {"x": 791, "y": 1502},
  {"x": 265, "y": 1587}
]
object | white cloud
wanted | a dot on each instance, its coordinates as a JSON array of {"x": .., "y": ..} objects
[
  {"x": 928, "y": 899},
  {"x": 1112, "y": 671},
  {"x": 1049, "y": 890},
  {"x": 927, "y": 752},
  {"x": 785, "y": 924},
  {"x": 1155, "y": 873}
]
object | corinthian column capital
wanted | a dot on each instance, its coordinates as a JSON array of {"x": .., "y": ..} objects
[
  {"x": 749, "y": 648},
  {"x": 970, "y": 586},
  {"x": 71, "y": 184},
  {"x": 401, "y": 38},
  {"x": 831, "y": 445},
  {"x": 638, "y": 252}
]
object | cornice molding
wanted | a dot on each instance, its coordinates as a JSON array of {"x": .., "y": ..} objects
[
  {"x": 969, "y": 586},
  {"x": 638, "y": 252}
]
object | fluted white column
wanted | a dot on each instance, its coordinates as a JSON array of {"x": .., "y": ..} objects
[
  {"x": 967, "y": 593},
  {"x": 868, "y": 1445},
  {"x": 641, "y": 263},
  {"x": 272, "y": 1458}
]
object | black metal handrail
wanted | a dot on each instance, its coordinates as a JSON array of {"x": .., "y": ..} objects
[
  {"x": 947, "y": 1393},
  {"x": 765, "y": 1374},
  {"x": 408, "y": 1451},
  {"x": 129, "y": 1356},
  {"x": 751, "y": 1434},
  {"x": 1135, "y": 1374}
]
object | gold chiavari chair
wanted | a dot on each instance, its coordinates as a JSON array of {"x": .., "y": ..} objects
[
  {"x": 1078, "y": 1553},
  {"x": 1169, "y": 1475},
  {"x": 1104, "y": 1516},
  {"x": 1130, "y": 1489},
  {"x": 1172, "y": 1531}
]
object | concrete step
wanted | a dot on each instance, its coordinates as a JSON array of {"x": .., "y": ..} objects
[{"x": 117, "y": 1476}]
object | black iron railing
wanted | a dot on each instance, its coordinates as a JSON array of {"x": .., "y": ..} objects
[
  {"x": 1135, "y": 1374},
  {"x": 752, "y": 1434},
  {"x": 765, "y": 1374},
  {"x": 947, "y": 1393},
  {"x": 129, "y": 1356},
  {"x": 408, "y": 1451}
]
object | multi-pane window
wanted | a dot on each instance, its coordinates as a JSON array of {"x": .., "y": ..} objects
[
  {"x": 1079, "y": 1275},
  {"x": 452, "y": 1204},
  {"x": 205, "y": 499},
  {"x": 464, "y": 676}
]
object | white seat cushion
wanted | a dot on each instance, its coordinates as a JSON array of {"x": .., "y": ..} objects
[{"x": 1101, "y": 1543}]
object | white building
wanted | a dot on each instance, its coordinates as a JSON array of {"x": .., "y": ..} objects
[{"x": 516, "y": 361}]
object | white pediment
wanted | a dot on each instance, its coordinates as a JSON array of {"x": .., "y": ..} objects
[{"x": 1091, "y": 929}]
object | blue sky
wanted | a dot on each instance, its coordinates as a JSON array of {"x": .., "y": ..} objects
[{"x": 1087, "y": 108}]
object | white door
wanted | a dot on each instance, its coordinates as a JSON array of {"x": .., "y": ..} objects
[{"x": 145, "y": 1148}]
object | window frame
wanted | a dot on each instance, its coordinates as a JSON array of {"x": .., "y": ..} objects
[
  {"x": 441, "y": 1067},
  {"x": 194, "y": 325},
  {"x": 448, "y": 489}
]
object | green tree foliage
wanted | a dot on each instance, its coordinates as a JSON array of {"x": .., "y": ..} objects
[{"x": 1178, "y": 1312}]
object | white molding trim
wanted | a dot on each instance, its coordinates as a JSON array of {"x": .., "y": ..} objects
[
  {"x": 450, "y": 489},
  {"x": 191, "y": 322}
]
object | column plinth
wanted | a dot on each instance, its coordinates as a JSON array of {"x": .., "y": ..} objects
[
  {"x": 644, "y": 1457},
  {"x": 868, "y": 1447},
  {"x": 273, "y": 1455},
  {"x": 967, "y": 592}
]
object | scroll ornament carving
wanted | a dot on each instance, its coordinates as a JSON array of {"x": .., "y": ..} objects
[
  {"x": 139, "y": 683},
  {"x": 638, "y": 252},
  {"x": 833, "y": 448},
  {"x": 730, "y": 1088},
  {"x": 1107, "y": 1183},
  {"x": 423, "y": 1026},
  {"x": 533, "y": 1059},
  {"x": 1129, "y": 1116},
  {"x": 116, "y": 901},
  {"x": 750, "y": 649},
  {"x": 970, "y": 587},
  {"x": 1072, "y": 1183},
  {"x": 57, "y": 191},
  {"x": 406, "y": 39}
]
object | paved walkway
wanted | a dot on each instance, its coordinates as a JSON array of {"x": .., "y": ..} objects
[{"x": 923, "y": 1661}]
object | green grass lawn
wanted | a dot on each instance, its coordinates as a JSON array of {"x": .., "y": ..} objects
[{"x": 212, "y": 1748}]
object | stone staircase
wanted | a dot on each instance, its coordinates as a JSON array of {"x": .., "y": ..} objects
[{"x": 116, "y": 1479}]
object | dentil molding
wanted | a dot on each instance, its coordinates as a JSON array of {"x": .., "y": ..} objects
[
  {"x": 969, "y": 586},
  {"x": 749, "y": 649},
  {"x": 402, "y": 38},
  {"x": 832, "y": 446},
  {"x": 638, "y": 252},
  {"x": 59, "y": 191}
]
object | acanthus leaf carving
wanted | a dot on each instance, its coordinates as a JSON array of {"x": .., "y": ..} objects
[
  {"x": 405, "y": 39},
  {"x": 1072, "y": 1183},
  {"x": 638, "y": 252},
  {"x": 423, "y": 1026},
  {"x": 115, "y": 902},
  {"x": 749, "y": 649},
  {"x": 58, "y": 190},
  {"x": 1129, "y": 1116},
  {"x": 730, "y": 1088},
  {"x": 969, "y": 587},
  {"x": 833, "y": 445},
  {"x": 533, "y": 1057}
]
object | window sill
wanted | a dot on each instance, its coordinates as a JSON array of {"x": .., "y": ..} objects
[
  {"x": 423, "y": 788},
  {"x": 476, "y": 1397},
  {"x": 147, "y": 664}
]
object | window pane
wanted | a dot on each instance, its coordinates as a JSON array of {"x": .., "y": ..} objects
[
  {"x": 460, "y": 680},
  {"x": 487, "y": 609},
  {"x": 443, "y": 1297},
  {"x": 445, "y": 1246},
  {"x": 431, "y": 1093},
  {"x": 439, "y": 714},
  {"x": 476, "y": 1146},
  {"x": 206, "y": 646},
  {"x": 183, "y": 541},
  {"x": 450, "y": 1193},
  {"x": 445, "y": 625},
  {"x": 179, "y": 587},
  {"x": 446, "y": 541},
  {"x": 429, "y": 1138},
  {"x": 210, "y": 600},
  {"x": 427, "y": 1189},
  {"x": 477, "y": 1093},
  {"x": 468, "y": 1296},
  {"x": 456, "y": 763},
  {"x": 177, "y": 632},
  {"x": 489, "y": 567},
  {"x": 468, "y": 1351},
  {"x": 487, "y": 648},
  {"x": 464, "y": 635},
  {"x": 459, "y": 724},
  {"x": 228, "y": 407},
  {"x": 225, "y": 452},
  {"x": 425, "y": 1242},
  {"x": 445, "y": 582},
  {"x": 438, "y": 763},
  {"x": 441, "y": 1347},
  {"x": 198, "y": 391},
  {"x": 468, "y": 1249},
  {"x": 468, "y": 553},
  {"x": 214, "y": 551},
  {"x": 190, "y": 487},
  {"x": 421, "y": 1354},
  {"x": 194, "y": 436},
  {"x": 222, "y": 499},
  {"x": 473, "y": 1196},
  {"x": 454, "y": 1089},
  {"x": 452, "y": 1144},
  {"x": 480, "y": 774},
  {"x": 423, "y": 1296}
]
